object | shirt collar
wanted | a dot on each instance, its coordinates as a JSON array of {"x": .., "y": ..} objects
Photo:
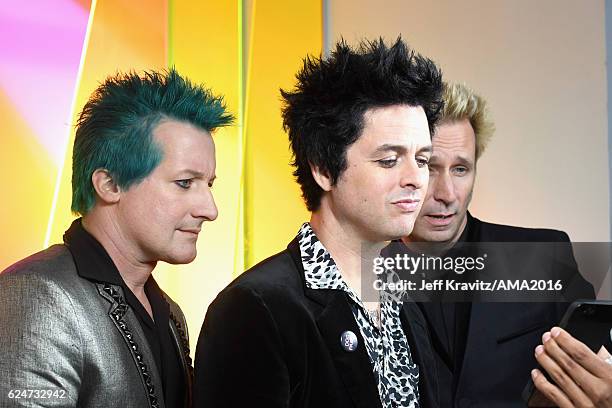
[
  {"x": 470, "y": 232},
  {"x": 92, "y": 260},
  {"x": 320, "y": 269},
  {"x": 90, "y": 257},
  {"x": 93, "y": 263}
]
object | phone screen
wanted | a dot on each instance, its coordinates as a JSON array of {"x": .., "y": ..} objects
[{"x": 591, "y": 323}]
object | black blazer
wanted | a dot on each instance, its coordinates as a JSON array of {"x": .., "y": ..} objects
[
  {"x": 498, "y": 338},
  {"x": 269, "y": 341}
]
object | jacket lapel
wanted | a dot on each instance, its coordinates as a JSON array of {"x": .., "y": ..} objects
[
  {"x": 422, "y": 355},
  {"x": 180, "y": 337},
  {"x": 436, "y": 325},
  {"x": 336, "y": 317},
  {"x": 354, "y": 367},
  {"x": 483, "y": 321},
  {"x": 129, "y": 328}
]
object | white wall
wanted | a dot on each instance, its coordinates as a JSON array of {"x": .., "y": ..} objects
[{"x": 541, "y": 66}]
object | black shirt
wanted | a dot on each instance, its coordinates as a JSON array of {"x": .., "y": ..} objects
[
  {"x": 456, "y": 315},
  {"x": 450, "y": 320},
  {"x": 93, "y": 262}
]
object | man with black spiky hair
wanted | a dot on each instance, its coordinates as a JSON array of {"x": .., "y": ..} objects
[{"x": 295, "y": 331}]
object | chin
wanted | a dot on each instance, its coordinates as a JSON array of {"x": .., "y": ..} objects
[
  {"x": 183, "y": 258},
  {"x": 404, "y": 230},
  {"x": 407, "y": 227},
  {"x": 438, "y": 236}
]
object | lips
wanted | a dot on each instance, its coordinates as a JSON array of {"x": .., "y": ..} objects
[
  {"x": 440, "y": 219},
  {"x": 194, "y": 231},
  {"x": 408, "y": 205}
]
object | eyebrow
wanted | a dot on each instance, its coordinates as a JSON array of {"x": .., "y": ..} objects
[
  {"x": 196, "y": 174},
  {"x": 459, "y": 159},
  {"x": 464, "y": 160},
  {"x": 400, "y": 149}
]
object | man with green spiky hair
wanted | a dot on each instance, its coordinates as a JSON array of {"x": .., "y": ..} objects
[{"x": 84, "y": 323}]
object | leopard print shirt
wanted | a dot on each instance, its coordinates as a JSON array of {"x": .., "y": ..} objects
[{"x": 397, "y": 376}]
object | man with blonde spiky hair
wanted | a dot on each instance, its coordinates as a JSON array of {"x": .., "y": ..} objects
[
  {"x": 473, "y": 339},
  {"x": 463, "y": 103},
  {"x": 462, "y": 136}
]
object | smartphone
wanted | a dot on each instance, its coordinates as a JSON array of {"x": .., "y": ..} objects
[{"x": 589, "y": 321}]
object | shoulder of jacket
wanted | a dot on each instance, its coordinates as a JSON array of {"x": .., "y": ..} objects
[
  {"x": 519, "y": 234},
  {"x": 52, "y": 267}
]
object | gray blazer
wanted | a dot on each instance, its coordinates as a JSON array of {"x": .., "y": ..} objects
[{"x": 77, "y": 338}]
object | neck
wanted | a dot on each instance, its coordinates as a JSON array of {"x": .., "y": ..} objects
[
  {"x": 430, "y": 248},
  {"x": 133, "y": 269},
  {"x": 349, "y": 251}
]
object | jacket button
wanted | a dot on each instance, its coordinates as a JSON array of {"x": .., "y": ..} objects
[{"x": 349, "y": 341}]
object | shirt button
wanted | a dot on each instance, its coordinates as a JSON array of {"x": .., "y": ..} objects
[{"x": 349, "y": 341}]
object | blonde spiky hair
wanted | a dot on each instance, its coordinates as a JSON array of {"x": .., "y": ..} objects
[{"x": 461, "y": 102}]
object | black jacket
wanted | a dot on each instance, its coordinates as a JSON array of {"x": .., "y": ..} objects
[
  {"x": 494, "y": 346},
  {"x": 269, "y": 341}
]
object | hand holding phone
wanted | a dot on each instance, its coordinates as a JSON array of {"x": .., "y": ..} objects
[
  {"x": 576, "y": 375},
  {"x": 582, "y": 378}
]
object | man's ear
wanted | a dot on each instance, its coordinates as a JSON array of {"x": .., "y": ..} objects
[
  {"x": 107, "y": 190},
  {"x": 321, "y": 177}
]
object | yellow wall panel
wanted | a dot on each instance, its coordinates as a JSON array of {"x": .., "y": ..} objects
[
  {"x": 281, "y": 34},
  {"x": 28, "y": 177},
  {"x": 205, "y": 45},
  {"x": 40, "y": 50}
]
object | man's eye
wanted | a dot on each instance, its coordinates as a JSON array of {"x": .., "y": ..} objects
[
  {"x": 422, "y": 161},
  {"x": 184, "y": 184},
  {"x": 460, "y": 171},
  {"x": 387, "y": 163}
]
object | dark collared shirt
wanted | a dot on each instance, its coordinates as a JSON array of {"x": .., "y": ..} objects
[
  {"x": 451, "y": 320},
  {"x": 93, "y": 262}
]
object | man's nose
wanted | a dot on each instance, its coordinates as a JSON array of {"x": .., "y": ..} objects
[
  {"x": 413, "y": 175},
  {"x": 442, "y": 188},
  {"x": 205, "y": 206}
]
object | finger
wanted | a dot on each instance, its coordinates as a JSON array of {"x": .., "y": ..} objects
[
  {"x": 579, "y": 375},
  {"x": 603, "y": 353},
  {"x": 561, "y": 378},
  {"x": 580, "y": 353},
  {"x": 550, "y": 391}
]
